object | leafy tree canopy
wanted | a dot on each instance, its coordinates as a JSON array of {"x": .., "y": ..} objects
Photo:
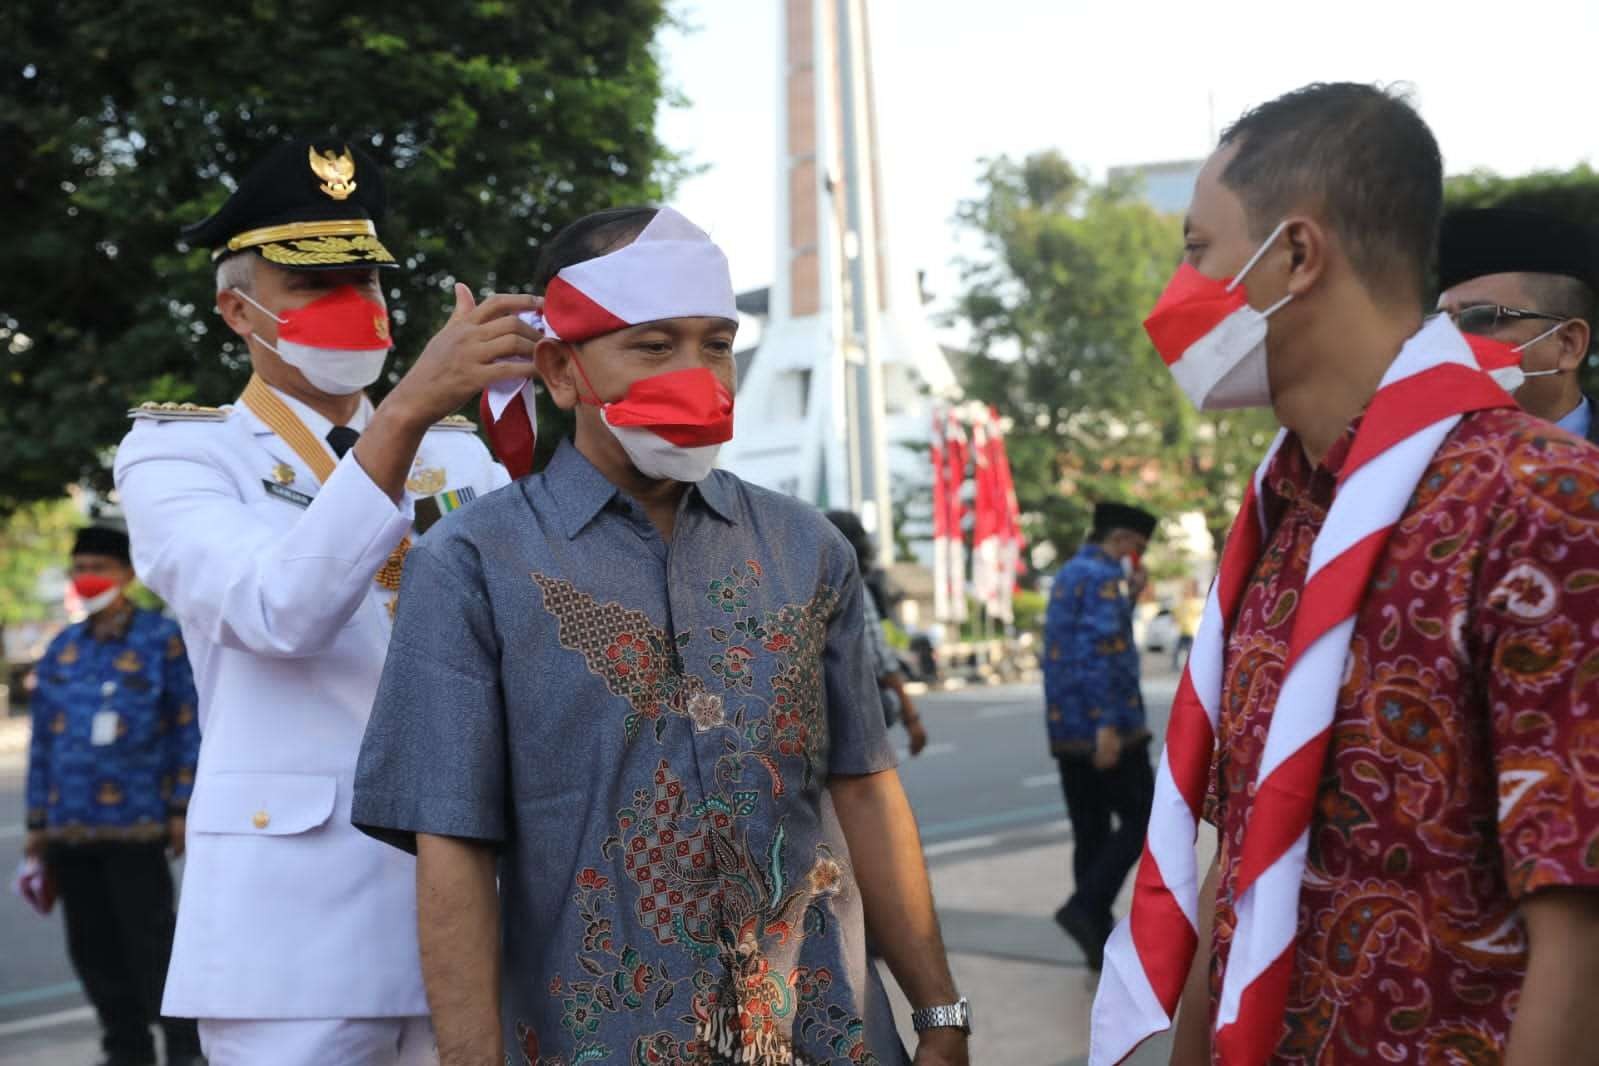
[
  {"x": 496, "y": 121},
  {"x": 1056, "y": 308}
]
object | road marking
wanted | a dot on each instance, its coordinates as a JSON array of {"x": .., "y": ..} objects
[
  {"x": 47, "y": 1021},
  {"x": 1008, "y": 710},
  {"x": 939, "y": 832},
  {"x": 990, "y": 840},
  {"x": 949, "y": 847},
  {"x": 1040, "y": 780},
  {"x": 34, "y": 995}
]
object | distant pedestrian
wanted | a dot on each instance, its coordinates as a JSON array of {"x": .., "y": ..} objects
[
  {"x": 1190, "y": 609},
  {"x": 1095, "y": 714},
  {"x": 897, "y": 705},
  {"x": 110, "y": 767}
]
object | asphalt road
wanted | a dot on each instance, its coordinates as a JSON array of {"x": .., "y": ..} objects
[{"x": 985, "y": 781}]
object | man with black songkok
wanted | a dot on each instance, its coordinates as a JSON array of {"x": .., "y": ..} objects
[
  {"x": 1527, "y": 278},
  {"x": 1095, "y": 715}
]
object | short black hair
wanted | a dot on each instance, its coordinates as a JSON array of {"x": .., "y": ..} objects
[
  {"x": 1557, "y": 294},
  {"x": 1363, "y": 159},
  {"x": 589, "y": 238}
]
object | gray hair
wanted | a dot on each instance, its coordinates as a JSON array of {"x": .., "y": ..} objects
[{"x": 236, "y": 272}]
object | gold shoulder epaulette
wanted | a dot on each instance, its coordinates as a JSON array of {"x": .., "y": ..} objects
[
  {"x": 179, "y": 412},
  {"x": 456, "y": 422}
]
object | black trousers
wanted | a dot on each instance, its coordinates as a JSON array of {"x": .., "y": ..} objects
[
  {"x": 1104, "y": 852},
  {"x": 118, "y": 904}
]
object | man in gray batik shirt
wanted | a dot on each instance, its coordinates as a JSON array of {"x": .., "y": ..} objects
[{"x": 645, "y": 704}]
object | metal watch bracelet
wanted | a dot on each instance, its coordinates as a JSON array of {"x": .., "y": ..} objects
[{"x": 956, "y": 1015}]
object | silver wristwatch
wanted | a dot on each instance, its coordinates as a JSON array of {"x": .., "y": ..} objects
[{"x": 953, "y": 1016}]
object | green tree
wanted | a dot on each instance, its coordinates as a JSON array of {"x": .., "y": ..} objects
[
  {"x": 496, "y": 121},
  {"x": 34, "y": 539},
  {"x": 1056, "y": 308}
]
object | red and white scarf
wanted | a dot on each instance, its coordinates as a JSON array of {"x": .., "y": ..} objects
[{"x": 1433, "y": 382}]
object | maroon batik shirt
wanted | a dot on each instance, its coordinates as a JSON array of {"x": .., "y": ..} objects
[{"x": 1463, "y": 768}]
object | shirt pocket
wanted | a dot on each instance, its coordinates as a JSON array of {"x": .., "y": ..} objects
[{"x": 250, "y": 804}]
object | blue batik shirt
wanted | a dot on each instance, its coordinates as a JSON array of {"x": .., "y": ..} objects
[
  {"x": 123, "y": 784},
  {"x": 1090, "y": 657},
  {"x": 645, "y": 731}
]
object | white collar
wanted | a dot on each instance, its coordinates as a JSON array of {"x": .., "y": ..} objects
[{"x": 319, "y": 424}]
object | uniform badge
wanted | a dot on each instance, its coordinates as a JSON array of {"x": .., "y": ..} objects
[
  {"x": 336, "y": 171},
  {"x": 433, "y": 508},
  {"x": 425, "y": 480},
  {"x": 283, "y": 474}
]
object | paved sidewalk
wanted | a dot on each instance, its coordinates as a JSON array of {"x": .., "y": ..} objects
[{"x": 1030, "y": 989}]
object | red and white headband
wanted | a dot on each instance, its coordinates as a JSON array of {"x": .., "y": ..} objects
[{"x": 671, "y": 270}]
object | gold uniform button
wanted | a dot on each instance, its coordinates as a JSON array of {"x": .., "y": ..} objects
[{"x": 262, "y": 819}]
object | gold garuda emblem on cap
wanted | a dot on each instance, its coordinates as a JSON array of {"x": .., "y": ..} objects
[{"x": 336, "y": 171}]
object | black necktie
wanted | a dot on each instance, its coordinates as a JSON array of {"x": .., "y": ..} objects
[{"x": 341, "y": 439}]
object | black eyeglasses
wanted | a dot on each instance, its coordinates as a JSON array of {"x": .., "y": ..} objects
[{"x": 1484, "y": 319}]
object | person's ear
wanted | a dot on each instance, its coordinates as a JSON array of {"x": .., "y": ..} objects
[
  {"x": 1574, "y": 338},
  {"x": 1308, "y": 246},
  {"x": 558, "y": 371},
  {"x": 235, "y": 311}
]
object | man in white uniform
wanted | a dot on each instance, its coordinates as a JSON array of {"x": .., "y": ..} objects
[{"x": 277, "y": 529}]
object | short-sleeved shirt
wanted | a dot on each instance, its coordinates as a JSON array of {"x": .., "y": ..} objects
[
  {"x": 1090, "y": 658},
  {"x": 646, "y": 731},
  {"x": 122, "y": 782},
  {"x": 1463, "y": 768}
]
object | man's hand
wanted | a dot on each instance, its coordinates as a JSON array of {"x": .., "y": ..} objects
[
  {"x": 1107, "y": 748},
  {"x": 480, "y": 344},
  {"x": 33, "y": 844},
  {"x": 916, "y": 734},
  {"x": 177, "y": 825},
  {"x": 1136, "y": 583},
  {"x": 942, "y": 1047}
]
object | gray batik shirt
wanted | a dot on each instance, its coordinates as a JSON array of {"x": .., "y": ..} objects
[{"x": 645, "y": 731}]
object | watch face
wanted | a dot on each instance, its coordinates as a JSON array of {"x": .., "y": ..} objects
[{"x": 966, "y": 1013}]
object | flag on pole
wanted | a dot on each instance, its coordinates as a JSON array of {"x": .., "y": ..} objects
[{"x": 941, "y": 530}]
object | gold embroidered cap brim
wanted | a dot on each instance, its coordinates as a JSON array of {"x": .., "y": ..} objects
[{"x": 327, "y": 251}]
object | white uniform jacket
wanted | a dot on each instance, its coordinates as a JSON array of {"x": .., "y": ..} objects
[{"x": 287, "y": 910}]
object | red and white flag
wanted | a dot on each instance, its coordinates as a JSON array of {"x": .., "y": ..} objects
[{"x": 941, "y": 532}]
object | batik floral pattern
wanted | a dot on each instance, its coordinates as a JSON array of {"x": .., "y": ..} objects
[
  {"x": 1462, "y": 771},
  {"x": 697, "y": 912}
]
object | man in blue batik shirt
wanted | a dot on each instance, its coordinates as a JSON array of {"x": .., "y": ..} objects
[
  {"x": 1095, "y": 715},
  {"x": 111, "y": 763}
]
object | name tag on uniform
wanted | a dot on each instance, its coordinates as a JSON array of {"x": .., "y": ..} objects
[
  {"x": 103, "y": 729},
  {"x": 286, "y": 494}
]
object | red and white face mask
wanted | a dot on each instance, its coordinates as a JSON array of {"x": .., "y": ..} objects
[
  {"x": 672, "y": 270},
  {"x": 671, "y": 425},
  {"x": 1213, "y": 342},
  {"x": 339, "y": 341},
  {"x": 1503, "y": 363},
  {"x": 96, "y": 592}
]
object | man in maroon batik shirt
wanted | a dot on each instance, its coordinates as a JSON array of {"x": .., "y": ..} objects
[{"x": 1447, "y": 913}]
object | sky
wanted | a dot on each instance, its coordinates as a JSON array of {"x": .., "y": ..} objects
[{"x": 1505, "y": 87}]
